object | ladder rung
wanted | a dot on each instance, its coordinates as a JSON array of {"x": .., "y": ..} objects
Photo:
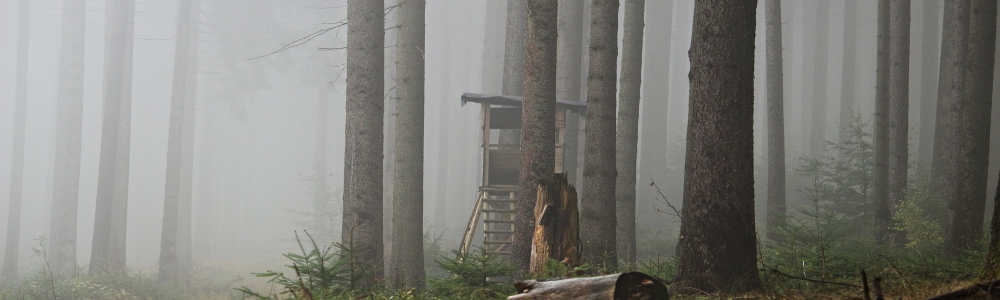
[
  {"x": 505, "y": 200},
  {"x": 498, "y": 211},
  {"x": 499, "y": 221},
  {"x": 498, "y": 231}
]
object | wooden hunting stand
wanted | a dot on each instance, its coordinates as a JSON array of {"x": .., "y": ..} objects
[{"x": 501, "y": 165}]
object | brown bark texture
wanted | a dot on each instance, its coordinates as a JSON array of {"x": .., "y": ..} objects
[
  {"x": 717, "y": 244},
  {"x": 597, "y": 215},
  {"x": 408, "y": 195},
  {"x": 776, "y": 207},
  {"x": 362, "y": 215},
  {"x": 880, "y": 186},
  {"x": 628, "y": 128},
  {"x": 632, "y": 285},
  {"x": 954, "y": 54},
  {"x": 557, "y": 224}
]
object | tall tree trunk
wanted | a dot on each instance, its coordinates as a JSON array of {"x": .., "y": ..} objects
[
  {"x": 718, "y": 244},
  {"x": 408, "y": 196},
  {"x": 13, "y": 243},
  {"x": 628, "y": 128},
  {"x": 69, "y": 121},
  {"x": 929, "y": 80},
  {"x": 775, "y": 121},
  {"x": 108, "y": 253},
  {"x": 597, "y": 213},
  {"x": 205, "y": 226},
  {"x": 538, "y": 121},
  {"x": 848, "y": 102},
  {"x": 185, "y": 249},
  {"x": 899, "y": 108},
  {"x": 954, "y": 52},
  {"x": 972, "y": 129},
  {"x": 818, "y": 135},
  {"x": 513, "y": 60},
  {"x": 880, "y": 187},
  {"x": 569, "y": 78},
  {"x": 321, "y": 191},
  {"x": 362, "y": 216},
  {"x": 169, "y": 253},
  {"x": 654, "y": 113}
]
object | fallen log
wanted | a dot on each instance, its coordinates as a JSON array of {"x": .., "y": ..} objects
[
  {"x": 991, "y": 287},
  {"x": 631, "y": 286}
]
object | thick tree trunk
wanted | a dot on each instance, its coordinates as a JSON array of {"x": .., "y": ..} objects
[
  {"x": 66, "y": 177},
  {"x": 538, "y": 120},
  {"x": 929, "y": 80},
  {"x": 13, "y": 237},
  {"x": 880, "y": 187},
  {"x": 718, "y": 245},
  {"x": 513, "y": 60},
  {"x": 408, "y": 196},
  {"x": 848, "y": 98},
  {"x": 569, "y": 59},
  {"x": 954, "y": 53},
  {"x": 628, "y": 128},
  {"x": 108, "y": 253},
  {"x": 632, "y": 285},
  {"x": 817, "y": 138},
  {"x": 169, "y": 256},
  {"x": 973, "y": 130},
  {"x": 597, "y": 216},
  {"x": 775, "y": 122},
  {"x": 557, "y": 224},
  {"x": 899, "y": 108},
  {"x": 362, "y": 216}
]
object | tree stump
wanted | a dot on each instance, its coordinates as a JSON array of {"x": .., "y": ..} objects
[
  {"x": 557, "y": 226},
  {"x": 632, "y": 285}
]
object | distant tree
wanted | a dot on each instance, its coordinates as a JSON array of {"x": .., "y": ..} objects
[
  {"x": 597, "y": 213},
  {"x": 538, "y": 120},
  {"x": 954, "y": 52},
  {"x": 628, "y": 128},
  {"x": 775, "y": 121},
  {"x": 568, "y": 79},
  {"x": 817, "y": 136},
  {"x": 11, "y": 251},
  {"x": 972, "y": 129},
  {"x": 848, "y": 102},
  {"x": 718, "y": 244},
  {"x": 513, "y": 60},
  {"x": 880, "y": 184},
  {"x": 930, "y": 50},
  {"x": 108, "y": 246},
  {"x": 169, "y": 264},
  {"x": 654, "y": 114},
  {"x": 185, "y": 248},
  {"x": 362, "y": 216},
  {"x": 408, "y": 195},
  {"x": 899, "y": 109}
]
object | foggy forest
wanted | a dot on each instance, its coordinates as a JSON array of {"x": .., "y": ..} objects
[{"x": 499, "y": 149}]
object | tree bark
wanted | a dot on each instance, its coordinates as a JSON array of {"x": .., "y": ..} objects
[
  {"x": 628, "y": 128},
  {"x": 973, "y": 130},
  {"x": 569, "y": 77},
  {"x": 557, "y": 224},
  {"x": 538, "y": 120},
  {"x": 817, "y": 138},
  {"x": 954, "y": 52},
  {"x": 108, "y": 253},
  {"x": 718, "y": 245},
  {"x": 513, "y": 60},
  {"x": 408, "y": 201},
  {"x": 848, "y": 97},
  {"x": 597, "y": 215},
  {"x": 883, "y": 217},
  {"x": 13, "y": 242},
  {"x": 775, "y": 122},
  {"x": 929, "y": 80},
  {"x": 362, "y": 216},
  {"x": 899, "y": 108},
  {"x": 169, "y": 264}
]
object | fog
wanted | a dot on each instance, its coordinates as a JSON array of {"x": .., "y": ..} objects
[{"x": 258, "y": 82}]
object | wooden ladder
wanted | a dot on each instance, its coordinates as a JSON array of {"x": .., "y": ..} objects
[{"x": 495, "y": 205}]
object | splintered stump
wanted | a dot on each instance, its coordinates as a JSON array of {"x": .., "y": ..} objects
[
  {"x": 632, "y": 285},
  {"x": 558, "y": 224}
]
